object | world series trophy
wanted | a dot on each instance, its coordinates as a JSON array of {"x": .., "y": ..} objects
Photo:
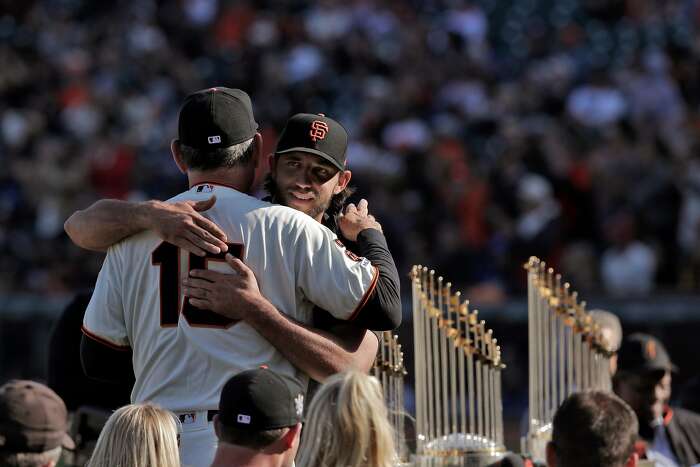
[
  {"x": 566, "y": 352},
  {"x": 459, "y": 413},
  {"x": 389, "y": 369}
]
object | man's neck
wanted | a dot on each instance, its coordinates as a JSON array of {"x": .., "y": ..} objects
[
  {"x": 239, "y": 179},
  {"x": 230, "y": 455}
]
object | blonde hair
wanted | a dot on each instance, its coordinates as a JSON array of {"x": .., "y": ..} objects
[
  {"x": 347, "y": 425},
  {"x": 138, "y": 435}
]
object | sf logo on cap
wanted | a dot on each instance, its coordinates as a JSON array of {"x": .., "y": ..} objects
[
  {"x": 318, "y": 130},
  {"x": 651, "y": 349}
]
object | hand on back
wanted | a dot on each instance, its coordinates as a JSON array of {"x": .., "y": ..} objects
[
  {"x": 183, "y": 225},
  {"x": 231, "y": 295}
]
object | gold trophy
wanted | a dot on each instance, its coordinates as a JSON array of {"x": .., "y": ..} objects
[
  {"x": 566, "y": 352},
  {"x": 389, "y": 369},
  {"x": 459, "y": 414}
]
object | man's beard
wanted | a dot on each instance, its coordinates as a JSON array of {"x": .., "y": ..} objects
[
  {"x": 313, "y": 211},
  {"x": 276, "y": 196}
]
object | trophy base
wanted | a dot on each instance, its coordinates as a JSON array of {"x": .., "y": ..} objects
[
  {"x": 459, "y": 450},
  {"x": 535, "y": 443}
]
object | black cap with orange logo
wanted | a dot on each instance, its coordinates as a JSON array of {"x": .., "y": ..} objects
[
  {"x": 643, "y": 352},
  {"x": 315, "y": 134}
]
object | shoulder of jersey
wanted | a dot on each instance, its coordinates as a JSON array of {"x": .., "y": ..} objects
[
  {"x": 263, "y": 210},
  {"x": 284, "y": 214}
]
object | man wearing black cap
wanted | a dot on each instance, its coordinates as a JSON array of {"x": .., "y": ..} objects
[
  {"x": 669, "y": 437},
  {"x": 33, "y": 425},
  {"x": 310, "y": 152},
  {"x": 259, "y": 420},
  {"x": 181, "y": 355}
]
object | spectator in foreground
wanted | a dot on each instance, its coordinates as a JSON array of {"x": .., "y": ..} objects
[
  {"x": 593, "y": 428},
  {"x": 138, "y": 435},
  {"x": 33, "y": 425},
  {"x": 669, "y": 437},
  {"x": 259, "y": 420},
  {"x": 347, "y": 424}
]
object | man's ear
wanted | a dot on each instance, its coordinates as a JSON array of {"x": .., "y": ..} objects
[
  {"x": 177, "y": 155},
  {"x": 258, "y": 149},
  {"x": 551, "y": 455},
  {"x": 290, "y": 437},
  {"x": 217, "y": 426},
  {"x": 343, "y": 180}
]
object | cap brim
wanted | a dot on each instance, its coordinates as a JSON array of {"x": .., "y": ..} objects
[
  {"x": 316, "y": 152},
  {"x": 67, "y": 442}
]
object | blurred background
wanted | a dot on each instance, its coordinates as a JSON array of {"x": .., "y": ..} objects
[{"x": 482, "y": 132}]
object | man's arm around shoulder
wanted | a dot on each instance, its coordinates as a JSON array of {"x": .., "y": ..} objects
[{"x": 109, "y": 221}]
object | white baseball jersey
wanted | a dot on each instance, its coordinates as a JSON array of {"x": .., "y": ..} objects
[{"x": 182, "y": 356}]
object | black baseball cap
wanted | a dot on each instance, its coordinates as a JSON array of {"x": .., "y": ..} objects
[
  {"x": 33, "y": 418},
  {"x": 216, "y": 118},
  {"x": 315, "y": 134},
  {"x": 643, "y": 352},
  {"x": 261, "y": 399}
]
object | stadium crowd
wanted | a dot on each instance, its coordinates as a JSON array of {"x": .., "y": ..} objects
[{"x": 482, "y": 132}]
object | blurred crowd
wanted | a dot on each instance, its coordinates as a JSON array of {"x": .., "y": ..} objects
[{"x": 483, "y": 132}]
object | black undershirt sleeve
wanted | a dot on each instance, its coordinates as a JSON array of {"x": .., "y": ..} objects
[
  {"x": 65, "y": 372},
  {"x": 105, "y": 364},
  {"x": 382, "y": 311}
]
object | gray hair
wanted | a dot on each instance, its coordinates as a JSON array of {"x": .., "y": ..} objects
[
  {"x": 237, "y": 155},
  {"x": 30, "y": 459},
  {"x": 611, "y": 322}
]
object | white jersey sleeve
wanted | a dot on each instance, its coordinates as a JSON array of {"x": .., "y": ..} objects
[
  {"x": 330, "y": 275},
  {"x": 104, "y": 318}
]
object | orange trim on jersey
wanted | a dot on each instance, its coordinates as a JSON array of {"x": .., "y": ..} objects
[
  {"x": 103, "y": 341},
  {"x": 640, "y": 448},
  {"x": 365, "y": 298},
  {"x": 668, "y": 416},
  {"x": 215, "y": 184}
]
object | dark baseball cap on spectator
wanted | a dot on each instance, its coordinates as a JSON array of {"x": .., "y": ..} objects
[
  {"x": 643, "y": 352},
  {"x": 33, "y": 418},
  {"x": 216, "y": 118},
  {"x": 261, "y": 399},
  {"x": 315, "y": 134}
]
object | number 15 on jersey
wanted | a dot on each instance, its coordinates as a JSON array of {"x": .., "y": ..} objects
[{"x": 168, "y": 258}]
